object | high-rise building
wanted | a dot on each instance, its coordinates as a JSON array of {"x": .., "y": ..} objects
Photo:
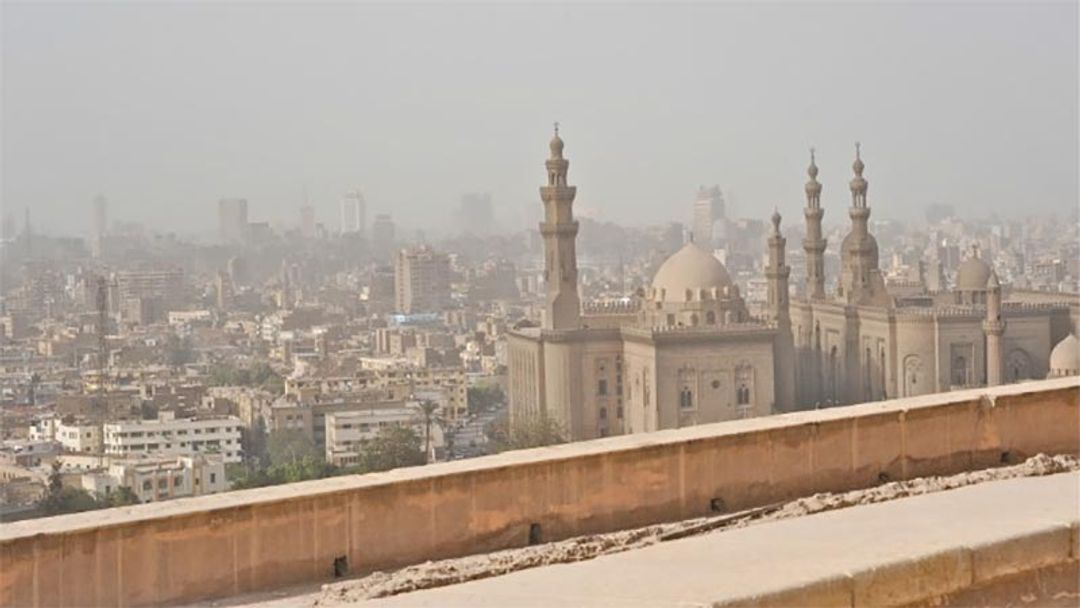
[
  {"x": 353, "y": 213},
  {"x": 99, "y": 225},
  {"x": 307, "y": 221},
  {"x": 476, "y": 215},
  {"x": 145, "y": 296},
  {"x": 233, "y": 220},
  {"x": 382, "y": 236},
  {"x": 708, "y": 209},
  {"x": 421, "y": 280}
]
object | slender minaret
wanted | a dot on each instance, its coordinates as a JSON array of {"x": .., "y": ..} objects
[
  {"x": 814, "y": 243},
  {"x": 994, "y": 328},
  {"x": 559, "y": 231},
  {"x": 777, "y": 274},
  {"x": 861, "y": 281}
]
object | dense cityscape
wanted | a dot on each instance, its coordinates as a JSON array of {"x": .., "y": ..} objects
[
  {"x": 141, "y": 366},
  {"x": 539, "y": 305}
]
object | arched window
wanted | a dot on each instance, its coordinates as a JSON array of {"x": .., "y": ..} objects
[
  {"x": 1018, "y": 366},
  {"x": 710, "y": 318},
  {"x": 959, "y": 375},
  {"x": 744, "y": 380},
  {"x": 693, "y": 320},
  {"x": 912, "y": 367}
]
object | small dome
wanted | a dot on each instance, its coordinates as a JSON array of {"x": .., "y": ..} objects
[
  {"x": 556, "y": 146},
  {"x": 1065, "y": 358},
  {"x": 690, "y": 268},
  {"x": 973, "y": 274}
]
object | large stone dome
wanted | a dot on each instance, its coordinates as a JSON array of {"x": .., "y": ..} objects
[
  {"x": 972, "y": 274},
  {"x": 1065, "y": 358},
  {"x": 693, "y": 268}
]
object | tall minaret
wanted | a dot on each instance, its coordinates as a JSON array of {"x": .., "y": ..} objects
[
  {"x": 776, "y": 275},
  {"x": 559, "y": 230},
  {"x": 814, "y": 243},
  {"x": 861, "y": 281},
  {"x": 994, "y": 328}
]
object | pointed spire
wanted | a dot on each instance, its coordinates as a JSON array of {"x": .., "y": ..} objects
[
  {"x": 813, "y": 187},
  {"x": 776, "y": 221},
  {"x": 556, "y": 144},
  {"x": 858, "y": 183}
]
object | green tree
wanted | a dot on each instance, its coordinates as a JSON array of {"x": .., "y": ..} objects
[
  {"x": 525, "y": 432},
  {"x": 179, "y": 351},
  {"x": 395, "y": 446},
  {"x": 122, "y": 497},
  {"x": 484, "y": 396},
  {"x": 59, "y": 499},
  {"x": 428, "y": 408},
  {"x": 288, "y": 447}
]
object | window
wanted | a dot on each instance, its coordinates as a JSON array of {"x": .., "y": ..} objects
[
  {"x": 147, "y": 485},
  {"x": 601, "y": 387},
  {"x": 686, "y": 398},
  {"x": 619, "y": 412},
  {"x": 178, "y": 481},
  {"x": 710, "y": 318},
  {"x": 213, "y": 477},
  {"x": 603, "y": 413},
  {"x": 163, "y": 483}
]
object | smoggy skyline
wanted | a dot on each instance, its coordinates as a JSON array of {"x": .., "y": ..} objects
[{"x": 166, "y": 108}]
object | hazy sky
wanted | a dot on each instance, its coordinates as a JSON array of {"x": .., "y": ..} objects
[{"x": 165, "y": 108}]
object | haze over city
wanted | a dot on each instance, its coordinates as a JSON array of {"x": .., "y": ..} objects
[
  {"x": 540, "y": 305},
  {"x": 166, "y": 108}
]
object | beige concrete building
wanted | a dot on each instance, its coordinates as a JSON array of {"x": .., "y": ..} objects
[
  {"x": 685, "y": 352},
  {"x": 422, "y": 280}
]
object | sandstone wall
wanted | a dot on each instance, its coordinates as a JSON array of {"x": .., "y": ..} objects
[{"x": 239, "y": 542}]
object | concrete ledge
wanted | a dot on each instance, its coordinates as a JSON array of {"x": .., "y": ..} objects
[
  {"x": 984, "y": 541},
  {"x": 914, "y": 579},
  {"x": 253, "y": 540},
  {"x": 1022, "y": 553}
]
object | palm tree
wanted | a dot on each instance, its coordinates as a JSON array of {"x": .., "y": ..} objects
[{"x": 428, "y": 407}]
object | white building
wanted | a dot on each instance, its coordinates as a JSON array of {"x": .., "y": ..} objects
[
  {"x": 76, "y": 436},
  {"x": 155, "y": 478},
  {"x": 176, "y": 437},
  {"x": 347, "y": 432}
]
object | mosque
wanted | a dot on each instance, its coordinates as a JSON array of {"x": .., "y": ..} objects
[{"x": 686, "y": 351}]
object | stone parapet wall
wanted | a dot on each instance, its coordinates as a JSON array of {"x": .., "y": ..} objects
[{"x": 240, "y": 542}]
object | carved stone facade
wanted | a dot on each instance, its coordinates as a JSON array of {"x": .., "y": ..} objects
[
  {"x": 686, "y": 351},
  {"x": 862, "y": 344}
]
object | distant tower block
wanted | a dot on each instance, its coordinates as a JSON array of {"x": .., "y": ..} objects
[
  {"x": 100, "y": 225},
  {"x": 353, "y": 213},
  {"x": 559, "y": 231}
]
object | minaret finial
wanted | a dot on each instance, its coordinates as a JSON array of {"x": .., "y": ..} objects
[
  {"x": 556, "y": 128},
  {"x": 812, "y": 159},
  {"x": 858, "y": 154}
]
